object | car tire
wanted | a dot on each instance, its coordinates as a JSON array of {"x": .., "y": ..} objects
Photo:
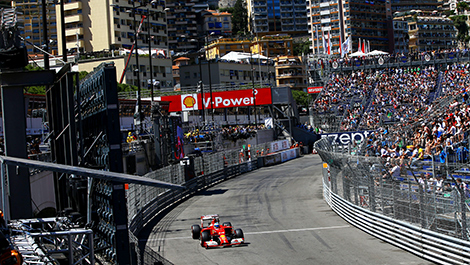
[
  {"x": 195, "y": 231},
  {"x": 227, "y": 224},
  {"x": 205, "y": 236},
  {"x": 239, "y": 233}
]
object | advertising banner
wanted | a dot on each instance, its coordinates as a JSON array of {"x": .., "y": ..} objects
[
  {"x": 279, "y": 145},
  {"x": 345, "y": 138},
  {"x": 314, "y": 89},
  {"x": 288, "y": 155},
  {"x": 221, "y": 99}
]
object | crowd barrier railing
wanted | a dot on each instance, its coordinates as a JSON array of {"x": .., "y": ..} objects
[{"x": 397, "y": 209}]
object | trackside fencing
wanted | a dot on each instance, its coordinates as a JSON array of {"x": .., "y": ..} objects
[
  {"x": 146, "y": 203},
  {"x": 400, "y": 209}
]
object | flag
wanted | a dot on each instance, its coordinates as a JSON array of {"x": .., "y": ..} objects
[
  {"x": 350, "y": 44},
  {"x": 368, "y": 46},
  {"x": 364, "y": 46},
  {"x": 345, "y": 46},
  {"x": 329, "y": 43},
  {"x": 359, "y": 47},
  {"x": 324, "y": 42}
]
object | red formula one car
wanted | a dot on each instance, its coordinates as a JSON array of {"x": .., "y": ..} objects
[{"x": 216, "y": 234}]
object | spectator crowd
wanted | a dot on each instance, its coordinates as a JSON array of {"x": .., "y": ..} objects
[{"x": 414, "y": 115}]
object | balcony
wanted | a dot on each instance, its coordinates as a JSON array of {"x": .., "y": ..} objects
[
  {"x": 74, "y": 19},
  {"x": 73, "y": 32},
  {"x": 73, "y": 44},
  {"x": 72, "y": 6}
]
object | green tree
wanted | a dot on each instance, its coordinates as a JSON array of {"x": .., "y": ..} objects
[
  {"x": 302, "y": 48},
  {"x": 460, "y": 23},
  {"x": 126, "y": 88},
  {"x": 36, "y": 90},
  {"x": 239, "y": 18},
  {"x": 301, "y": 98},
  {"x": 227, "y": 9},
  {"x": 462, "y": 6}
]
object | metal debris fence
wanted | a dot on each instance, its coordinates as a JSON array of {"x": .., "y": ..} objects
[
  {"x": 366, "y": 182},
  {"x": 145, "y": 202}
]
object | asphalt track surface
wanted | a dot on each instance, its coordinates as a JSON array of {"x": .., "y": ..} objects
[{"x": 284, "y": 218}]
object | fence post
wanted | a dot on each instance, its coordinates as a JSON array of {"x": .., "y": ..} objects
[
  {"x": 463, "y": 207},
  {"x": 421, "y": 205},
  {"x": 371, "y": 194}
]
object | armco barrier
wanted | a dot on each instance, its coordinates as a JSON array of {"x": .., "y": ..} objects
[
  {"x": 427, "y": 244},
  {"x": 429, "y": 224},
  {"x": 169, "y": 197}
]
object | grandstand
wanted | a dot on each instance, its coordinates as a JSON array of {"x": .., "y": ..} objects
[{"x": 403, "y": 108}]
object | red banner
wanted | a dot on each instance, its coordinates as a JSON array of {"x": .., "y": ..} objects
[
  {"x": 314, "y": 89},
  {"x": 225, "y": 99}
]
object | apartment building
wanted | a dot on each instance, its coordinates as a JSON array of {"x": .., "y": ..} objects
[
  {"x": 182, "y": 24},
  {"x": 428, "y": 30},
  {"x": 290, "y": 71},
  {"x": 269, "y": 46},
  {"x": 216, "y": 23},
  {"x": 277, "y": 16},
  {"x": 368, "y": 20},
  {"x": 99, "y": 25},
  {"x": 30, "y": 14}
]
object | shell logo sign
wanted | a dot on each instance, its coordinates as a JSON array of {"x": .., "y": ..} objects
[
  {"x": 189, "y": 102},
  {"x": 219, "y": 99}
]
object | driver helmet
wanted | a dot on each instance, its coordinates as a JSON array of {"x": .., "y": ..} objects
[{"x": 216, "y": 225}]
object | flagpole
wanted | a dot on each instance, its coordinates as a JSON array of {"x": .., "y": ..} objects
[
  {"x": 329, "y": 43},
  {"x": 340, "y": 46},
  {"x": 318, "y": 39}
]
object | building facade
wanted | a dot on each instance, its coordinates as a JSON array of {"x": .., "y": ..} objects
[
  {"x": 269, "y": 46},
  {"x": 333, "y": 22},
  {"x": 277, "y": 16},
  {"x": 216, "y": 23},
  {"x": 97, "y": 25},
  {"x": 290, "y": 71},
  {"x": 400, "y": 36},
  {"x": 182, "y": 24},
  {"x": 227, "y": 74},
  {"x": 428, "y": 31},
  {"x": 31, "y": 16}
]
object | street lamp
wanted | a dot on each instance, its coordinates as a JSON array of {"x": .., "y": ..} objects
[
  {"x": 137, "y": 70},
  {"x": 200, "y": 87},
  {"x": 253, "y": 74},
  {"x": 150, "y": 54}
]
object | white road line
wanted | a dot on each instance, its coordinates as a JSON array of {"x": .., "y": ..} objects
[
  {"x": 297, "y": 230},
  {"x": 259, "y": 233}
]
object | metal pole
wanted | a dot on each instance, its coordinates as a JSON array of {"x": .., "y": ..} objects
[
  {"x": 150, "y": 54},
  {"x": 259, "y": 61},
  {"x": 44, "y": 31},
  {"x": 139, "y": 102},
  {"x": 202, "y": 90},
  {"x": 4, "y": 193},
  {"x": 62, "y": 26},
  {"x": 210, "y": 84}
]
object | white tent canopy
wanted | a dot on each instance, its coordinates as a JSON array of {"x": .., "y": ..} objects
[
  {"x": 376, "y": 52},
  {"x": 357, "y": 54},
  {"x": 239, "y": 56}
]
